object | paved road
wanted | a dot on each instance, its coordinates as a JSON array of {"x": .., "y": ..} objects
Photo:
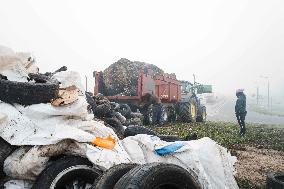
[{"x": 223, "y": 110}]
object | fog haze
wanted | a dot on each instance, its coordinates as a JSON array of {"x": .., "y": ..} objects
[{"x": 229, "y": 44}]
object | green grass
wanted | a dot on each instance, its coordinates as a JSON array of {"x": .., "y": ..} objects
[
  {"x": 265, "y": 111},
  {"x": 227, "y": 134}
]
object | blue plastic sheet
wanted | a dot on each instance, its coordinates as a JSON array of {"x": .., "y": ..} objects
[{"x": 169, "y": 148}]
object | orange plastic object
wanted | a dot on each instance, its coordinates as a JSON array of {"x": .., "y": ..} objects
[{"x": 107, "y": 143}]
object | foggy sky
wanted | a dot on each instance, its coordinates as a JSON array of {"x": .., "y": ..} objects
[{"x": 229, "y": 44}]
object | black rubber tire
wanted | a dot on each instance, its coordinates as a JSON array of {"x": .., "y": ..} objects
[
  {"x": 103, "y": 110},
  {"x": 170, "y": 138},
  {"x": 150, "y": 116},
  {"x": 112, "y": 176},
  {"x": 116, "y": 125},
  {"x": 157, "y": 176},
  {"x": 65, "y": 170},
  {"x": 162, "y": 114},
  {"x": 275, "y": 180},
  {"x": 5, "y": 150},
  {"x": 125, "y": 110},
  {"x": 202, "y": 115},
  {"x": 185, "y": 113},
  {"x": 172, "y": 114},
  {"x": 27, "y": 93},
  {"x": 135, "y": 130}
]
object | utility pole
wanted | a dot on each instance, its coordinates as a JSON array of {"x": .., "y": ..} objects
[
  {"x": 86, "y": 78},
  {"x": 257, "y": 95},
  {"x": 268, "y": 98},
  {"x": 268, "y": 90}
]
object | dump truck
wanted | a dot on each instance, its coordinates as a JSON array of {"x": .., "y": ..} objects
[{"x": 167, "y": 99}]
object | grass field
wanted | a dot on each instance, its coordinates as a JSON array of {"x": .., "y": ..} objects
[{"x": 258, "y": 136}]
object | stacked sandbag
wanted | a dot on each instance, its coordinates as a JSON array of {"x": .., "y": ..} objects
[{"x": 121, "y": 77}]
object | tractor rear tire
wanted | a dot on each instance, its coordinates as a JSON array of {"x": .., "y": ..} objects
[{"x": 186, "y": 109}]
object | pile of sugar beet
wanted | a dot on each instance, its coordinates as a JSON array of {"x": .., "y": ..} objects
[{"x": 121, "y": 77}]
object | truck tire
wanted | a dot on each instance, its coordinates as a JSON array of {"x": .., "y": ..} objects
[
  {"x": 162, "y": 113},
  {"x": 125, "y": 110},
  {"x": 157, "y": 176},
  {"x": 202, "y": 116},
  {"x": 5, "y": 151},
  {"x": 68, "y": 172},
  {"x": 150, "y": 117},
  {"x": 27, "y": 93},
  {"x": 172, "y": 114},
  {"x": 188, "y": 111},
  {"x": 116, "y": 126},
  {"x": 112, "y": 176},
  {"x": 275, "y": 180},
  {"x": 135, "y": 130}
]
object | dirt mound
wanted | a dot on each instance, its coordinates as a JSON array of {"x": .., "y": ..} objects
[{"x": 121, "y": 77}]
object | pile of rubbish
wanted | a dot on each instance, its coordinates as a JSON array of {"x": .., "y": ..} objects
[
  {"x": 121, "y": 77},
  {"x": 69, "y": 137}
]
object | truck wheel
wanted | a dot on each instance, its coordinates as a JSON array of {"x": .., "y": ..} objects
[
  {"x": 112, "y": 176},
  {"x": 157, "y": 176},
  {"x": 275, "y": 180},
  {"x": 203, "y": 115},
  {"x": 5, "y": 151},
  {"x": 68, "y": 172},
  {"x": 149, "y": 116},
  {"x": 172, "y": 114},
  {"x": 162, "y": 114},
  {"x": 188, "y": 111}
]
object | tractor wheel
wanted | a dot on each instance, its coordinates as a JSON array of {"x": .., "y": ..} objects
[
  {"x": 188, "y": 111},
  {"x": 149, "y": 116},
  {"x": 203, "y": 115},
  {"x": 163, "y": 115}
]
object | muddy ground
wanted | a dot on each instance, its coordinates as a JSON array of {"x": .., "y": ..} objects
[{"x": 254, "y": 164}]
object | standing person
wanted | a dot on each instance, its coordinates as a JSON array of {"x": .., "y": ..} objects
[{"x": 240, "y": 110}]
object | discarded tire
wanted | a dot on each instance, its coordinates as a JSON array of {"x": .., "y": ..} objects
[
  {"x": 125, "y": 110},
  {"x": 275, "y": 180},
  {"x": 103, "y": 110},
  {"x": 112, "y": 176},
  {"x": 135, "y": 130},
  {"x": 5, "y": 151},
  {"x": 170, "y": 138},
  {"x": 27, "y": 93},
  {"x": 157, "y": 176},
  {"x": 116, "y": 125},
  {"x": 68, "y": 172}
]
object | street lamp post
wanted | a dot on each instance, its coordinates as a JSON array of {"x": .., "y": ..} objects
[{"x": 268, "y": 90}]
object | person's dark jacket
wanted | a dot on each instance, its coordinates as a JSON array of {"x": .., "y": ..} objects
[{"x": 240, "y": 107}]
